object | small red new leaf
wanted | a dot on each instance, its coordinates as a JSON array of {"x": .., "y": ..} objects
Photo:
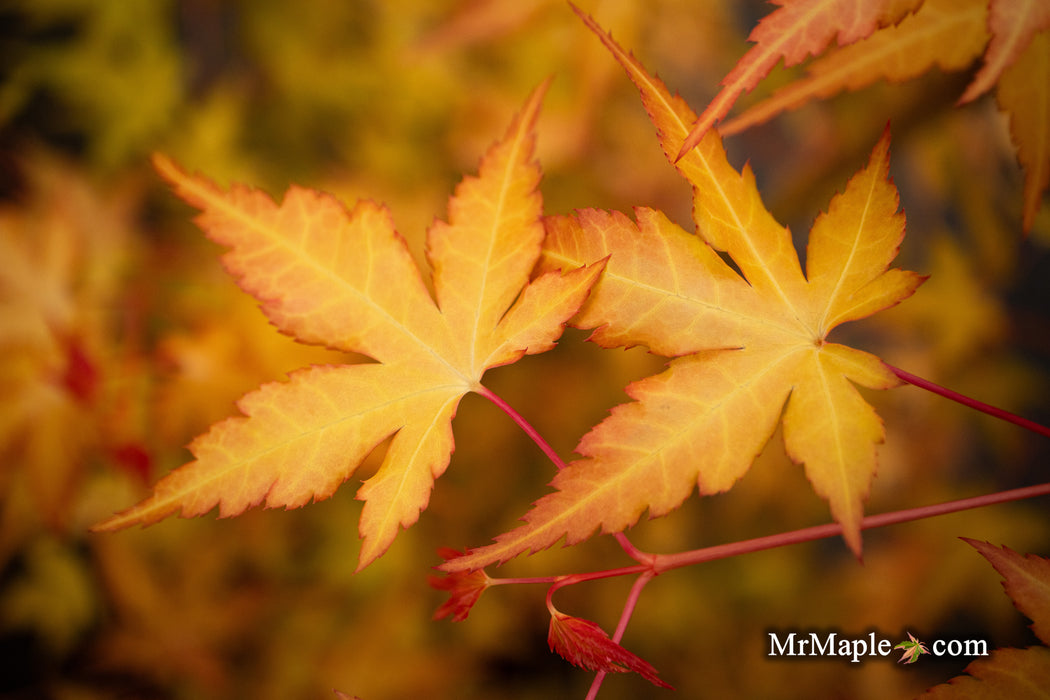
[
  {"x": 585, "y": 644},
  {"x": 464, "y": 587}
]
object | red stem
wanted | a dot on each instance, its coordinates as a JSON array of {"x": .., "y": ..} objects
[
  {"x": 523, "y": 424},
  {"x": 629, "y": 605},
  {"x": 596, "y": 685},
  {"x": 666, "y": 562},
  {"x": 658, "y": 563},
  {"x": 621, "y": 627},
  {"x": 969, "y": 402},
  {"x": 632, "y": 551}
]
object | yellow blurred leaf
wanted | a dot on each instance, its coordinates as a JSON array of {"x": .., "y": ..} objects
[{"x": 53, "y": 598}]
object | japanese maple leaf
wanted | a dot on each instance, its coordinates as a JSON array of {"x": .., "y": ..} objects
[
  {"x": 1010, "y": 673},
  {"x": 912, "y": 648},
  {"x": 1014, "y": 36},
  {"x": 345, "y": 279},
  {"x": 796, "y": 30},
  {"x": 744, "y": 345}
]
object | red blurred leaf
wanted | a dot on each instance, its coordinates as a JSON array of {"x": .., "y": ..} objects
[{"x": 81, "y": 373}]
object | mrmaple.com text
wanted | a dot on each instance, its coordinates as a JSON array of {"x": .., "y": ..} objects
[{"x": 858, "y": 648}]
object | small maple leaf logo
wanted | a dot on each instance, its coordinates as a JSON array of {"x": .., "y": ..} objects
[{"x": 913, "y": 649}]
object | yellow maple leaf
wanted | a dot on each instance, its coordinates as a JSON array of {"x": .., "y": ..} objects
[
  {"x": 345, "y": 279},
  {"x": 744, "y": 345}
]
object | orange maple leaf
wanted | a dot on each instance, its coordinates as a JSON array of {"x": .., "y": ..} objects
[
  {"x": 947, "y": 33},
  {"x": 1027, "y": 582},
  {"x": 1010, "y": 673},
  {"x": 1013, "y": 35},
  {"x": 345, "y": 279},
  {"x": 744, "y": 345},
  {"x": 795, "y": 31}
]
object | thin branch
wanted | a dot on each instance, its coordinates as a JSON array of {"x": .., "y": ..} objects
[
  {"x": 621, "y": 627},
  {"x": 970, "y": 402},
  {"x": 596, "y": 685},
  {"x": 632, "y": 601},
  {"x": 666, "y": 562},
  {"x": 660, "y": 563}
]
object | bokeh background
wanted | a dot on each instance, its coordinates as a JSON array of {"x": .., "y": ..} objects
[{"x": 122, "y": 338}]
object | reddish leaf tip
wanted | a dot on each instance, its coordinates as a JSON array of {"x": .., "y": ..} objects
[{"x": 464, "y": 588}]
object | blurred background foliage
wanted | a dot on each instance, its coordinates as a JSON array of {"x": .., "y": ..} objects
[{"x": 122, "y": 339}]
